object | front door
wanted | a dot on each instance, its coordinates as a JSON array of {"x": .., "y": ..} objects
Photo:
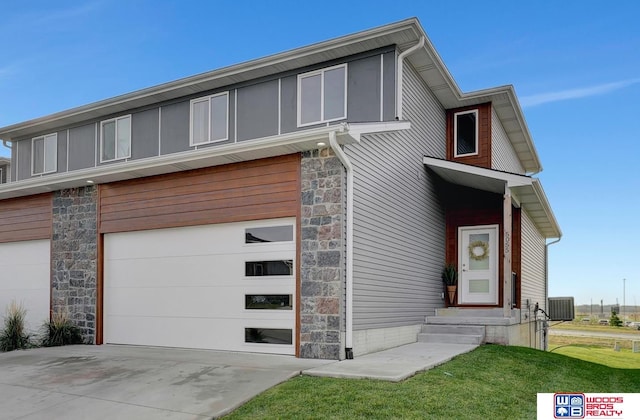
[{"x": 478, "y": 265}]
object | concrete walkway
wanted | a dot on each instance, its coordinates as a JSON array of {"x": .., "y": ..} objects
[
  {"x": 395, "y": 364},
  {"x": 129, "y": 382}
]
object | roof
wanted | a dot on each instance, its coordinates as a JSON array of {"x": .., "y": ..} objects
[
  {"x": 404, "y": 34},
  {"x": 526, "y": 191}
]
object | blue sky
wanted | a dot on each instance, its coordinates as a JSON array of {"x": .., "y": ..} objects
[{"x": 575, "y": 66}]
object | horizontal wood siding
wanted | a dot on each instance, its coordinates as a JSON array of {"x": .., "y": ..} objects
[
  {"x": 533, "y": 263},
  {"x": 483, "y": 158},
  {"x": 253, "y": 190},
  {"x": 398, "y": 218},
  {"x": 503, "y": 156},
  {"x": 25, "y": 219}
]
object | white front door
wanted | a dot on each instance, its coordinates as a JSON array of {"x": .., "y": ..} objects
[{"x": 478, "y": 265}]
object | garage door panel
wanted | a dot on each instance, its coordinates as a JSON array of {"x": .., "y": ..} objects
[
  {"x": 186, "y": 287},
  {"x": 200, "y": 333},
  {"x": 25, "y": 279},
  {"x": 216, "y": 270}
]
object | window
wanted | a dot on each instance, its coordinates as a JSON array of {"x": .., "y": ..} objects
[
  {"x": 210, "y": 119},
  {"x": 259, "y": 235},
  {"x": 44, "y": 154},
  {"x": 115, "y": 139},
  {"x": 1, "y": 173},
  {"x": 466, "y": 133},
  {"x": 268, "y": 335},
  {"x": 277, "y": 302},
  {"x": 269, "y": 268},
  {"x": 322, "y": 95}
]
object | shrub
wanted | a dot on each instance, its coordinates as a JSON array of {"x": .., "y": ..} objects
[
  {"x": 14, "y": 336},
  {"x": 615, "y": 320},
  {"x": 60, "y": 331}
]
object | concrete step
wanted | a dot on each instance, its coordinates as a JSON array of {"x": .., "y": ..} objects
[
  {"x": 450, "y": 338},
  {"x": 459, "y": 320},
  {"x": 453, "y": 329}
]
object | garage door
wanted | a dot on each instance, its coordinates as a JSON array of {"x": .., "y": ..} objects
[
  {"x": 24, "y": 277},
  {"x": 226, "y": 286}
]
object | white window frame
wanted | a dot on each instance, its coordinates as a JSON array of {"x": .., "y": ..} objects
[
  {"x": 116, "y": 119},
  {"x": 320, "y": 72},
  {"x": 44, "y": 155},
  {"x": 202, "y": 99},
  {"x": 455, "y": 133}
]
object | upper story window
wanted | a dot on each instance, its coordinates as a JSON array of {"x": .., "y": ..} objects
[
  {"x": 322, "y": 95},
  {"x": 209, "y": 119},
  {"x": 115, "y": 139},
  {"x": 44, "y": 154},
  {"x": 465, "y": 133}
]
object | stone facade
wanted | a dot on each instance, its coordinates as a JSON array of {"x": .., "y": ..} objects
[
  {"x": 73, "y": 257},
  {"x": 322, "y": 254}
]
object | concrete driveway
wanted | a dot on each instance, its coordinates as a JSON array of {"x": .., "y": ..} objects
[{"x": 125, "y": 382}]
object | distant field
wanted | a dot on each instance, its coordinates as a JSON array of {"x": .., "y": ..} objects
[
  {"x": 580, "y": 326},
  {"x": 596, "y": 350}
]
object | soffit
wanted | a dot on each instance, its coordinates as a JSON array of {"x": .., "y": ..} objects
[{"x": 527, "y": 191}]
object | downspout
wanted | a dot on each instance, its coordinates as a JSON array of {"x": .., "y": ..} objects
[
  {"x": 349, "y": 245},
  {"x": 4, "y": 143},
  {"x": 401, "y": 57},
  {"x": 545, "y": 329}
]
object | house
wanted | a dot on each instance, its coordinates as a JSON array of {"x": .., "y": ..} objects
[{"x": 303, "y": 203}]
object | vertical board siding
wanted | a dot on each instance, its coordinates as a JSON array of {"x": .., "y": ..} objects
[
  {"x": 399, "y": 226},
  {"x": 260, "y": 189},
  {"x": 25, "y": 219},
  {"x": 533, "y": 263},
  {"x": 503, "y": 156}
]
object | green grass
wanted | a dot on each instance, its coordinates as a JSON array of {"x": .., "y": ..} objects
[
  {"x": 623, "y": 359},
  {"x": 490, "y": 382},
  {"x": 577, "y": 326}
]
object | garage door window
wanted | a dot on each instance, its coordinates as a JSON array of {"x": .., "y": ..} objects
[
  {"x": 258, "y": 235},
  {"x": 268, "y": 335},
  {"x": 277, "y": 302},
  {"x": 269, "y": 268}
]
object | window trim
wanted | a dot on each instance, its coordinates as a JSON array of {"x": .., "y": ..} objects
[
  {"x": 321, "y": 72},
  {"x": 455, "y": 133},
  {"x": 116, "y": 119},
  {"x": 44, "y": 156},
  {"x": 202, "y": 99}
]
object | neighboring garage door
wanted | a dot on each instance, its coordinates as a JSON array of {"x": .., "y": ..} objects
[
  {"x": 223, "y": 286},
  {"x": 24, "y": 278},
  {"x": 25, "y": 255}
]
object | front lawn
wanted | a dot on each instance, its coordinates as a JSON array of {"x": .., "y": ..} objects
[{"x": 490, "y": 382}]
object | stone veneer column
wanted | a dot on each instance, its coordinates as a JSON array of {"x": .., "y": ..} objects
[
  {"x": 322, "y": 248},
  {"x": 73, "y": 256}
]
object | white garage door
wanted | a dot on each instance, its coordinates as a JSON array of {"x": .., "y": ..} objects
[
  {"x": 225, "y": 287},
  {"x": 24, "y": 277}
]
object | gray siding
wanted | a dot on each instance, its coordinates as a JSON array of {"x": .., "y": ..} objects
[
  {"x": 399, "y": 226},
  {"x": 363, "y": 90},
  {"x": 175, "y": 128},
  {"x": 389, "y": 86},
  {"x": 62, "y": 151},
  {"x": 258, "y": 110},
  {"x": 144, "y": 134},
  {"x": 14, "y": 161},
  {"x": 264, "y": 108},
  {"x": 503, "y": 156},
  {"x": 82, "y": 147},
  {"x": 533, "y": 263},
  {"x": 24, "y": 159}
]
